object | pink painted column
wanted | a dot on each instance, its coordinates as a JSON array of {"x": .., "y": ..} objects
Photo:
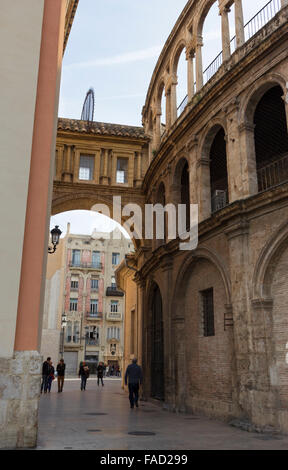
[{"x": 32, "y": 282}]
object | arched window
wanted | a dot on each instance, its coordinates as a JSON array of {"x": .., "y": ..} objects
[
  {"x": 180, "y": 71},
  {"x": 271, "y": 139}
]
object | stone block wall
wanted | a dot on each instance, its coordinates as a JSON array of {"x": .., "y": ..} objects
[{"x": 19, "y": 399}]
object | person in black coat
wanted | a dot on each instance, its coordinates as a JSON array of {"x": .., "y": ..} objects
[
  {"x": 134, "y": 377},
  {"x": 60, "y": 374},
  {"x": 84, "y": 374},
  {"x": 100, "y": 373},
  {"x": 46, "y": 369}
]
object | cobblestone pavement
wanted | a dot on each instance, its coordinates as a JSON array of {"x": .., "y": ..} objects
[{"x": 100, "y": 418}]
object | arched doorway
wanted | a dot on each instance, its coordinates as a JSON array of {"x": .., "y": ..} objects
[{"x": 157, "y": 347}]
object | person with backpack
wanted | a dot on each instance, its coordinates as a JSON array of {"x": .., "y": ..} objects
[{"x": 84, "y": 374}]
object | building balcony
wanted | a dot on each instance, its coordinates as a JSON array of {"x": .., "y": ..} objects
[
  {"x": 219, "y": 200},
  {"x": 90, "y": 266},
  {"x": 273, "y": 174},
  {"x": 92, "y": 342},
  {"x": 114, "y": 292},
  {"x": 114, "y": 316},
  {"x": 94, "y": 315}
]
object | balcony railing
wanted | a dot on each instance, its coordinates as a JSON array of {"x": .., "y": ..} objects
[
  {"x": 219, "y": 200},
  {"x": 92, "y": 342},
  {"x": 114, "y": 316},
  {"x": 94, "y": 315},
  {"x": 86, "y": 265},
  {"x": 273, "y": 174},
  {"x": 114, "y": 292},
  {"x": 250, "y": 29}
]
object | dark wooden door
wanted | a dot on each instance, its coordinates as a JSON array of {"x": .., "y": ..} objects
[{"x": 157, "y": 347}]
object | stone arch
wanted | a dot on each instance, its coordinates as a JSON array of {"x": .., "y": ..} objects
[
  {"x": 264, "y": 117},
  {"x": 181, "y": 45},
  {"x": 202, "y": 354},
  {"x": 202, "y": 12},
  {"x": 256, "y": 92},
  {"x": 267, "y": 262},
  {"x": 86, "y": 201},
  {"x": 214, "y": 184},
  {"x": 159, "y": 94},
  {"x": 214, "y": 259}
]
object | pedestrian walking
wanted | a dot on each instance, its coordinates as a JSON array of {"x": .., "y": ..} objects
[
  {"x": 51, "y": 376},
  {"x": 60, "y": 374},
  {"x": 100, "y": 373},
  {"x": 45, "y": 374},
  {"x": 84, "y": 374},
  {"x": 134, "y": 378}
]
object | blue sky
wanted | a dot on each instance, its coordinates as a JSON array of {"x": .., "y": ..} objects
[{"x": 113, "y": 47}]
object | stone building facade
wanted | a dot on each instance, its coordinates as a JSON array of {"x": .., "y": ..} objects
[
  {"x": 214, "y": 319},
  {"x": 83, "y": 288}
]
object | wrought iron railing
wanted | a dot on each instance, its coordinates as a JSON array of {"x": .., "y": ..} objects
[
  {"x": 219, "y": 200},
  {"x": 273, "y": 174},
  {"x": 92, "y": 342},
  {"x": 94, "y": 315},
  {"x": 250, "y": 29},
  {"x": 85, "y": 265}
]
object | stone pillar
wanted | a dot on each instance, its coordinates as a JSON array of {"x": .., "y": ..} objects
[
  {"x": 204, "y": 187},
  {"x": 168, "y": 108},
  {"x": 192, "y": 151},
  {"x": 68, "y": 171},
  {"x": 238, "y": 241},
  {"x": 239, "y": 23},
  {"x": 139, "y": 169},
  {"x": 157, "y": 139},
  {"x": 233, "y": 154},
  {"x": 190, "y": 55},
  {"x": 20, "y": 384},
  {"x": 168, "y": 331},
  {"x": 173, "y": 111},
  {"x": 225, "y": 33},
  {"x": 199, "y": 65},
  {"x": 105, "y": 179},
  {"x": 248, "y": 159}
]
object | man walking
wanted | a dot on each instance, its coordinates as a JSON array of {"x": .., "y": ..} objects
[
  {"x": 100, "y": 373},
  {"x": 46, "y": 369},
  {"x": 134, "y": 377},
  {"x": 84, "y": 374},
  {"x": 60, "y": 374}
]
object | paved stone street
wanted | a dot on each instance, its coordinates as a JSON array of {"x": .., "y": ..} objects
[{"x": 70, "y": 420}]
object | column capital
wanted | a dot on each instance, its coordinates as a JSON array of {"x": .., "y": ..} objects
[
  {"x": 193, "y": 142},
  {"x": 246, "y": 127}
]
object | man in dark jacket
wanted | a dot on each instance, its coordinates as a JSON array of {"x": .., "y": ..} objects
[
  {"x": 134, "y": 377},
  {"x": 60, "y": 374},
  {"x": 46, "y": 369},
  {"x": 84, "y": 374},
  {"x": 100, "y": 373}
]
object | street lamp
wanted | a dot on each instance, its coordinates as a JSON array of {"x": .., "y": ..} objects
[
  {"x": 55, "y": 237},
  {"x": 63, "y": 324}
]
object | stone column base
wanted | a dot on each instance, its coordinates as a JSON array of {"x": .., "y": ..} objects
[{"x": 20, "y": 378}]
